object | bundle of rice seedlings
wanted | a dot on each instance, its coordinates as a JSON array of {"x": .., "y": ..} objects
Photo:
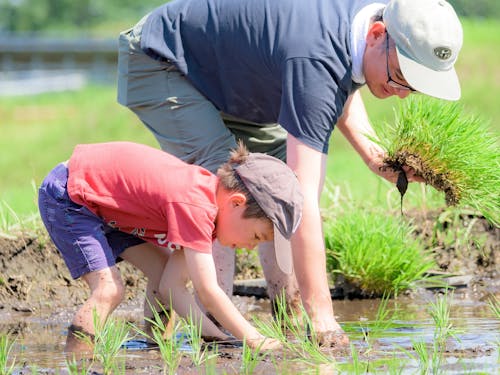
[
  {"x": 452, "y": 151},
  {"x": 375, "y": 252}
]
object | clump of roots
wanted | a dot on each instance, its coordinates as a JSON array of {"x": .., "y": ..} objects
[{"x": 439, "y": 180}]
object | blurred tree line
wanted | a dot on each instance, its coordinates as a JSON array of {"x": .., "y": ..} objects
[
  {"x": 49, "y": 16},
  {"x": 477, "y": 8},
  {"x": 46, "y": 16}
]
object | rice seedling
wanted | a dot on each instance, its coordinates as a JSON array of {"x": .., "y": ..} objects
[
  {"x": 452, "y": 151},
  {"x": 200, "y": 353},
  {"x": 77, "y": 366},
  {"x": 6, "y": 345},
  {"x": 375, "y": 252},
  {"x": 250, "y": 358},
  {"x": 293, "y": 330},
  {"x": 494, "y": 304},
  {"x": 108, "y": 341},
  {"x": 430, "y": 357},
  {"x": 167, "y": 338}
]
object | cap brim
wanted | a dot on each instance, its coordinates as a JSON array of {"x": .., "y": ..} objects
[
  {"x": 440, "y": 84},
  {"x": 283, "y": 252}
]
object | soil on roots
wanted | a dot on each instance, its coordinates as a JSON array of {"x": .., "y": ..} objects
[{"x": 439, "y": 180}]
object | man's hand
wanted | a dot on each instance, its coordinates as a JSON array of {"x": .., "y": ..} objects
[{"x": 376, "y": 164}]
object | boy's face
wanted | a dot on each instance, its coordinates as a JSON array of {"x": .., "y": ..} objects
[{"x": 237, "y": 232}]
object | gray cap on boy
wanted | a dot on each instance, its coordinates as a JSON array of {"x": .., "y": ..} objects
[{"x": 277, "y": 191}]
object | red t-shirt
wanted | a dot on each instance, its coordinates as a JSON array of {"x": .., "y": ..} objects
[{"x": 145, "y": 192}]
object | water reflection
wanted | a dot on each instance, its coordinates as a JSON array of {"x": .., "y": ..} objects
[{"x": 475, "y": 346}]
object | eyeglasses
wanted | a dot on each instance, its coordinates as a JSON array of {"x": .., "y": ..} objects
[{"x": 390, "y": 81}]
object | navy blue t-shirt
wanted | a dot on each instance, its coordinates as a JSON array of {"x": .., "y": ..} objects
[{"x": 284, "y": 61}]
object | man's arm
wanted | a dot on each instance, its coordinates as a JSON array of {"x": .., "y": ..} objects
[
  {"x": 355, "y": 126},
  {"x": 308, "y": 247}
]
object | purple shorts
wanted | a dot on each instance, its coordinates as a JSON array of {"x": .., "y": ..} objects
[{"x": 84, "y": 240}]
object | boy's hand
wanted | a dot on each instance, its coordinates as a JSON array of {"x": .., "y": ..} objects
[{"x": 264, "y": 343}]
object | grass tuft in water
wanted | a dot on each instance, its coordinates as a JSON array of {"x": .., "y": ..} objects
[
  {"x": 108, "y": 340},
  {"x": 166, "y": 337},
  {"x": 250, "y": 358},
  {"x": 77, "y": 366},
  {"x": 200, "y": 353},
  {"x": 494, "y": 304},
  {"x": 375, "y": 252},
  {"x": 293, "y": 330},
  {"x": 6, "y": 345},
  {"x": 431, "y": 356},
  {"x": 453, "y": 151}
]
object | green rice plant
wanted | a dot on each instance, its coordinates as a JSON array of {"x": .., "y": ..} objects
[
  {"x": 77, "y": 366},
  {"x": 384, "y": 319},
  {"x": 440, "y": 313},
  {"x": 166, "y": 338},
  {"x": 357, "y": 367},
  {"x": 451, "y": 150},
  {"x": 200, "y": 353},
  {"x": 293, "y": 330},
  {"x": 431, "y": 356},
  {"x": 422, "y": 356},
  {"x": 108, "y": 341},
  {"x": 494, "y": 304},
  {"x": 375, "y": 252},
  {"x": 6, "y": 345},
  {"x": 250, "y": 358}
]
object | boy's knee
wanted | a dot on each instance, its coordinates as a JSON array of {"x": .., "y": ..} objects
[
  {"x": 165, "y": 292},
  {"x": 112, "y": 294}
]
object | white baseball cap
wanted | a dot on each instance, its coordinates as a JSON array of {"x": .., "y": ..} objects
[{"x": 428, "y": 37}]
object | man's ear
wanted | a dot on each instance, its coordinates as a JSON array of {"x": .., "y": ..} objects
[
  {"x": 238, "y": 199},
  {"x": 375, "y": 32}
]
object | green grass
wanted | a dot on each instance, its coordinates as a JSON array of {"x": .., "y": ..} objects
[
  {"x": 7, "y": 361},
  {"x": 375, "y": 252}
]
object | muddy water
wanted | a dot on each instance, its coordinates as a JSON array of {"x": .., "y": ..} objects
[{"x": 475, "y": 348}]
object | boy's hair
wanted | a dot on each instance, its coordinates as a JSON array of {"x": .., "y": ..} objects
[{"x": 231, "y": 181}]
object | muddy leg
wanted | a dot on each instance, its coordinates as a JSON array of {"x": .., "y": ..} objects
[
  {"x": 107, "y": 292},
  {"x": 151, "y": 260},
  {"x": 279, "y": 283},
  {"x": 163, "y": 307}
]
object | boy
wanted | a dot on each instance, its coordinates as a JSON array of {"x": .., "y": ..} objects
[{"x": 122, "y": 200}]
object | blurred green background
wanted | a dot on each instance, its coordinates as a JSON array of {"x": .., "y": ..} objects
[{"x": 39, "y": 131}]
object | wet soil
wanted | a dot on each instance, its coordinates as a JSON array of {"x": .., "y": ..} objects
[
  {"x": 38, "y": 299},
  {"x": 33, "y": 275}
]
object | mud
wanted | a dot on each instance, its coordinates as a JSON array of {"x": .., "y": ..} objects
[
  {"x": 440, "y": 180},
  {"x": 33, "y": 276},
  {"x": 38, "y": 299}
]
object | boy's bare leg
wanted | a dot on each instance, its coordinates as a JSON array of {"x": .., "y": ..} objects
[
  {"x": 278, "y": 282},
  {"x": 106, "y": 293},
  {"x": 174, "y": 284},
  {"x": 151, "y": 260}
]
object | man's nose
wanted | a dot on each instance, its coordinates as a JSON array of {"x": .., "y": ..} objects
[{"x": 402, "y": 93}]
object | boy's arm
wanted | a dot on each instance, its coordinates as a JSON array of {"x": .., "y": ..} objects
[
  {"x": 174, "y": 279},
  {"x": 202, "y": 272}
]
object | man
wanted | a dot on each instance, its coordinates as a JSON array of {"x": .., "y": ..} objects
[{"x": 202, "y": 74}]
